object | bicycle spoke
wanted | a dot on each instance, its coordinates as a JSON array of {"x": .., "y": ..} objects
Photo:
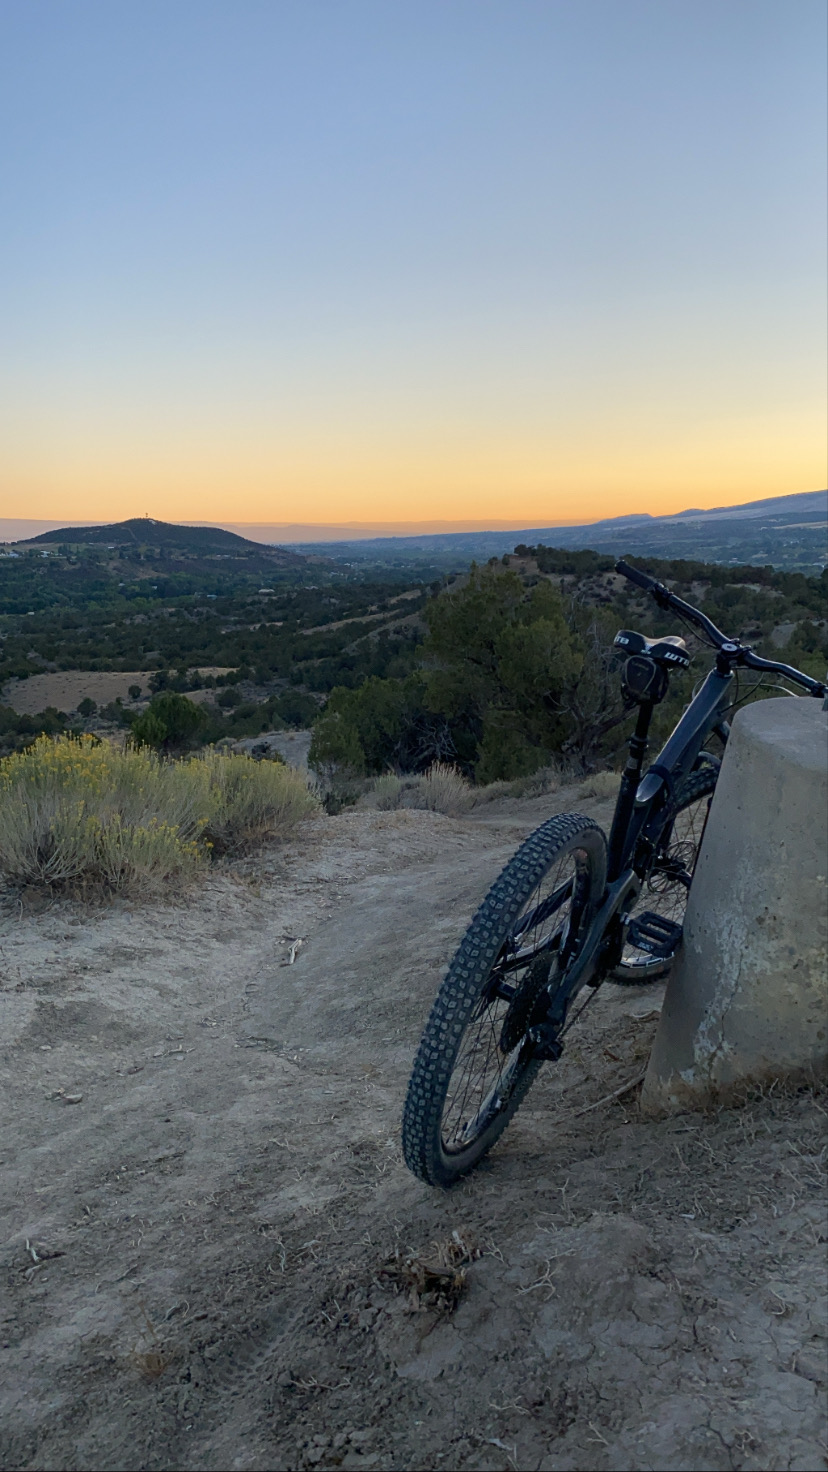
[{"x": 477, "y": 1079}]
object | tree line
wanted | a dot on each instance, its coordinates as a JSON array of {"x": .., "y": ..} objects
[{"x": 517, "y": 667}]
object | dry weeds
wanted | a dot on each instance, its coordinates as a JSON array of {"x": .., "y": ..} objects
[
  {"x": 435, "y": 1283},
  {"x": 600, "y": 785}
]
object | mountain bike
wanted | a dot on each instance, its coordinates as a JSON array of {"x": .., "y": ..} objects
[{"x": 573, "y": 908}]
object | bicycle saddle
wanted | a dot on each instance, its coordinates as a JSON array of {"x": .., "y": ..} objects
[{"x": 669, "y": 651}]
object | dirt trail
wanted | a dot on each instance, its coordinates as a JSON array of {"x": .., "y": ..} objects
[{"x": 232, "y": 1216}]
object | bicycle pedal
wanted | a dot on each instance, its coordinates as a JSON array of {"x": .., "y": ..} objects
[{"x": 653, "y": 934}]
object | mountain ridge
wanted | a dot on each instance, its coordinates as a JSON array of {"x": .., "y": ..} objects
[
  {"x": 783, "y": 531},
  {"x": 809, "y": 503}
]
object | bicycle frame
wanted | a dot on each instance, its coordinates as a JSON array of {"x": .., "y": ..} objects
[
  {"x": 641, "y": 811},
  {"x": 640, "y": 802}
]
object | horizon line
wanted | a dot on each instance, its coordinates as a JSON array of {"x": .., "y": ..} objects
[
  {"x": 19, "y": 528},
  {"x": 14, "y": 529}
]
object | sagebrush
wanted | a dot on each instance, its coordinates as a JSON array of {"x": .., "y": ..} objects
[
  {"x": 445, "y": 790},
  {"x": 83, "y": 813},
  {"x": 252, "y": 800},
  {"x": 600, "y": 784},
  {"x": 442, "y": 789}
]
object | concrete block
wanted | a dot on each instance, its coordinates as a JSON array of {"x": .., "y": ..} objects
[{"x": 747, "y": 999}]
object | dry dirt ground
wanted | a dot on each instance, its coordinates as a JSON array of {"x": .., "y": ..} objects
[{"x": 227, "y": 1260}]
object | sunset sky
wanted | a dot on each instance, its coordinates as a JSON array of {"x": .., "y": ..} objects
[{"x": 380, "y": 261}]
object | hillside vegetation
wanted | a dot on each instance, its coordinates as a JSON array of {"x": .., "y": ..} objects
[
  {"x": 263, "y": 634},
  {"x": 497, "y": 670},
  {"x": 517, "y": 666}
]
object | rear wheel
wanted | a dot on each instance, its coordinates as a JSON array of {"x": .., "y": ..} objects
[
  {"x": 667, "y": 885},
  {"x": 472, "y": 1068}
]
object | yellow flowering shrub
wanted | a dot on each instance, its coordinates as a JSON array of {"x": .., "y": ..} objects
[{"x": 83, "y": 813}]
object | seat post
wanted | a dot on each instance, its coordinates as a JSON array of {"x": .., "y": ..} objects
[{"x": 630, "y": 778}]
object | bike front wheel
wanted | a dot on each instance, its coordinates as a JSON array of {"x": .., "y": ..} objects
[{"x": 472, "y": 1069}]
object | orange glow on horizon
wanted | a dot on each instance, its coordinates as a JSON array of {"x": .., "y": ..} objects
[{"x": 498, "y": 485}]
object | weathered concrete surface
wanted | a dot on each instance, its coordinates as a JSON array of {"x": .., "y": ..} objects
[{"x": 748, "y": 997}]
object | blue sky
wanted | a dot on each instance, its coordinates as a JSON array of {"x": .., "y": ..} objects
[{"x": 336, "y": 261}]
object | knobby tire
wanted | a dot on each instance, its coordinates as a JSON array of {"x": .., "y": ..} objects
[{"x": 472, "y": 1070}]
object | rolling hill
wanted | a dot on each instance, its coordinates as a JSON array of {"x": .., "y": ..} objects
[{"x": 143, "y": 534}]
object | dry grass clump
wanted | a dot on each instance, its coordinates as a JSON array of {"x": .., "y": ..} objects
[
  {"x": 442, "y": 789},
  {"x": 600, "y": 784},
  {"x": 537, "y": 784},
  {"x": 387, "y": 791},
  {"x": 491, "y": 791},
  {"x": 82, "y": 814},
  {"x": 435, "y": 1283},
  {"x": 251, "y": 801}
]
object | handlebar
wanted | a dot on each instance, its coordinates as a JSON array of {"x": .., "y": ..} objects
[{"x": 730, "y": 650}]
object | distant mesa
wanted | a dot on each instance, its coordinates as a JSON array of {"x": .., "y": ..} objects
[{"x": 142, "y": 531}]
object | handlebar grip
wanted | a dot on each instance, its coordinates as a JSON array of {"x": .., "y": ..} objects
[{"x": 635, "y": 576}]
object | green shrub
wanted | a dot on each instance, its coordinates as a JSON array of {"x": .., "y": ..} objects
[
  {"x": 169, "y": 723},
  {"x": 296, "y": 708},
  {"x": 229, "y": 697},
  {"x": 382, "y": 724},
  {"x": 18, "y": 731},
  {"x": 114, "y": 711}
]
